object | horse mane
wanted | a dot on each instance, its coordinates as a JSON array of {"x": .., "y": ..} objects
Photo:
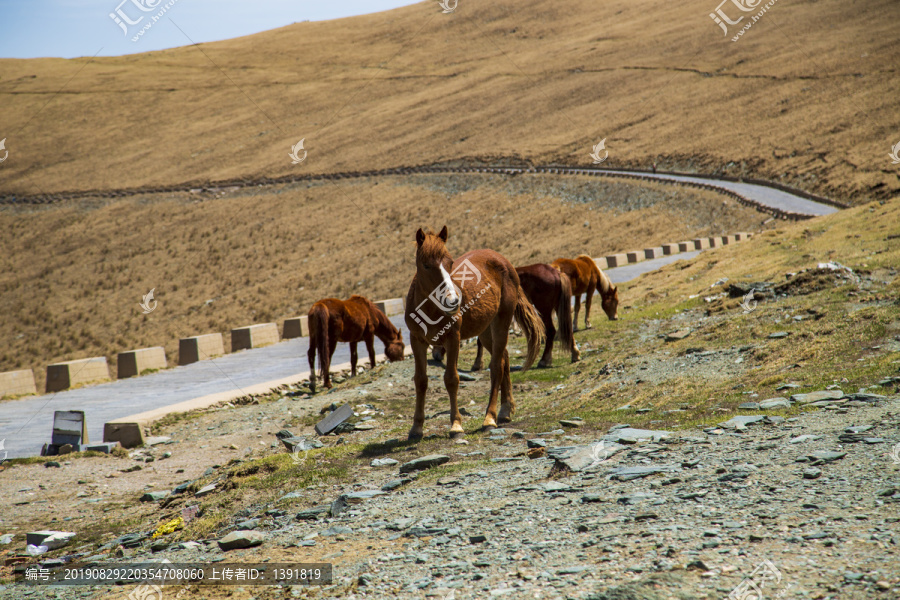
[{"x": 603, "y": 282}]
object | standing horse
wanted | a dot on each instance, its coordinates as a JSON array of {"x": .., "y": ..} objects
[
  {"x": 549, "y": 290},
  {"x": 586, "y": 278},
  {"x": 354, "y": 320},
  {"x": 478, "y": 294}
]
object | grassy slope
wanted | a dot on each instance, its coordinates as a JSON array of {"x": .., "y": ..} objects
[
  {"x": 72, "y": 276},
  {"x": 808, "y": 95}
]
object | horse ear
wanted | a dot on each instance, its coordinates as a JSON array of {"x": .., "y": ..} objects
[
  {"x": 420, "y": 236},
  {"x": 444, "y": 234}
]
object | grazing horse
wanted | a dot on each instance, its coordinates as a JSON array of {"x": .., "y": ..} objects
[
  {"x": 549, "y": 290},
  {"x": 354, "y": 320},
  {"x": 586, "y": 278},
  {"x": 478, "y": 294}
]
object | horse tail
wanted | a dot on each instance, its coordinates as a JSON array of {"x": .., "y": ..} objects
[
  {"x": 564, "y": 313},
  {"x": 530, "y": 321},
  {"x": 318, "y": 323}
]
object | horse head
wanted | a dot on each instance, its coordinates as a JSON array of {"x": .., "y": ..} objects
[
  {"x": 610, "y": 302},
  {"x": 433, "y": 266}
]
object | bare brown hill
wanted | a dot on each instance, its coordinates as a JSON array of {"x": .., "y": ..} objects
[{"x": 808, "y": 96}]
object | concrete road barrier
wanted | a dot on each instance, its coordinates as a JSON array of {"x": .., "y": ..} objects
[
  {"x": 200, "y": 347},
  {"x": 669, "y": 249},
  {"x": 254, "y": 336},
  {"x": 714, "y": 242},
  {"x": 651, "y": 253},
  {"x": 634, "y": 257},
  {"x": 65, "y": 375},
  {"x": 135, "y": 362},
  {"x": 601, "y": 263},
  {"x": 129, "y": 435},
  {"x": 392, "y": 306},
  {"x": 17, "y": 383},
  {"x": 685, "y": 247},
  {"x": 617, "y": 260},
  {"x": 701, "y": 243},
  {"x": 296, "y": 327}
]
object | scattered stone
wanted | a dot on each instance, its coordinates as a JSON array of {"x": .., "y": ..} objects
[
  {"x": 463, "y": 376},
  {"x": 812, "y": 473},
  {"x": 825, "y": 456},
  {"x": 630, "y": 473},
  {"x": 627, "y": 435},
  {"x": 153, "y": 496},
  {"x": 740, "y": 422},
  {"x": 424, "y": 462},
  {"x": 534, "y": 453},
  {"x": 205, "y": 490},
  {"x": 50, "y": 539},
  {"x": 384, "y": 462},
  {"x": 580, "y": 458},
  {"x": 773, "y": 403},
  {"x": 393, "y": 484},
  {"x": 477, "y": 539},
  {"x": 749, "y": 406},
  {"x": 804, "y": 438},
  {"x": 817, "y": 396},
  {"x": 571, "y": 423},
  {"x": 779, "y": 334},
  {"x": 787, "y": 386},
  {"x": 335, "y": 418},
  {"x": 677, "y": 335},
  {"x": 536, "y": 443},
  {"x": 314, "y": 513},
  {"x": 241, "y": 539}
]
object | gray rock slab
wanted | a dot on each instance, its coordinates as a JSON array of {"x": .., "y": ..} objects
[
  {"x": 817, "y": 396},
  {"x": 424, "y": 462},
  {"x": 241, "y": 539}
]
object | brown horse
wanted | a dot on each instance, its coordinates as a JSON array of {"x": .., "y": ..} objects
[
  {"x": 586, "y": 278},
  {"x": 354, "y": 320},
  {"x": 549, "y": 290},
  {"x": 478, "y": 294}
]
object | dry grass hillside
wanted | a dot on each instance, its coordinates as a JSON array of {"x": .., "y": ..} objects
[
  {"x": 72, "y": 276},
  {"x": 808, "y": 96}
]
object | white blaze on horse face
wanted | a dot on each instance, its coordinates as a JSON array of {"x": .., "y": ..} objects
[{"x": 452, "y": 298}]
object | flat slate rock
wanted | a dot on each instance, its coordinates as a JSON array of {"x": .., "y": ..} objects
[
  {"x": 393, "y": 484},
  {"x": 335, "y": 418},
  {"x": 825, "y": 456},
  {"x": 629, "y": 473},
  {"x": 424, "y": 462},
  {"x": 241, "y": 539},
  {"x": 628, "y": 435},
  {"x": 579, "y": 458},
  {"x": 677, "y": 335},
  {"x": 154, "y": 496},
  {"x": 779, "y": 334},
  {"x": 865, "y": 397},
  {"x": 314, "y": 513},
  {"x": 771, "y": 403},
  {"x": 787, "y": 386},
  {"x": 536, "y": 443},
  {"x": 741, "y": 421},
  {"x": 817, "y": 396},
  {"x": 384, "y": 462},
  {"x": 749, "y": 406}
]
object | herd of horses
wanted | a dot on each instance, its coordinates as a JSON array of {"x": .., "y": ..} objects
[{"x": 477, "y": 295}]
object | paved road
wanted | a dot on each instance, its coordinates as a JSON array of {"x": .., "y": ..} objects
[
  {"x": 760, "y": 193},
  {"x": 26, "y": 424}
]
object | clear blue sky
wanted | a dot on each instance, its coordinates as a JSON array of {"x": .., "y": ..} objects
[{"x": 71, "y": 28}]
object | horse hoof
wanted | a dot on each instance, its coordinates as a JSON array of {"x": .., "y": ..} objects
[
  {"x": 544, "y": 365},
  {"x": 504, "y": 419},
  {"x": 414, "y": 437},
  {"x": 488, "y": 428},
  {"x": 455, "y": 435}
]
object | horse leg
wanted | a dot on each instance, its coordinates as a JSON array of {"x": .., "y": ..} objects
[
  {"x": 311, "y": 355},
  {"x": 353, "y": 358},
  {"x": 420, "y": 356},
  {"x": 479, "y": 362},
  {"x": 589, "y": 295},
  {"x": 507, "y": 404},
  {"x": 370, "y": 346},
  {"x": 499, "y": 338},
  {"x": 451, "y": 382},
  {"x": 547, "y": 358},
  {"x": 575, "y": 314},
  {"x": 332, "y": 346}
]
